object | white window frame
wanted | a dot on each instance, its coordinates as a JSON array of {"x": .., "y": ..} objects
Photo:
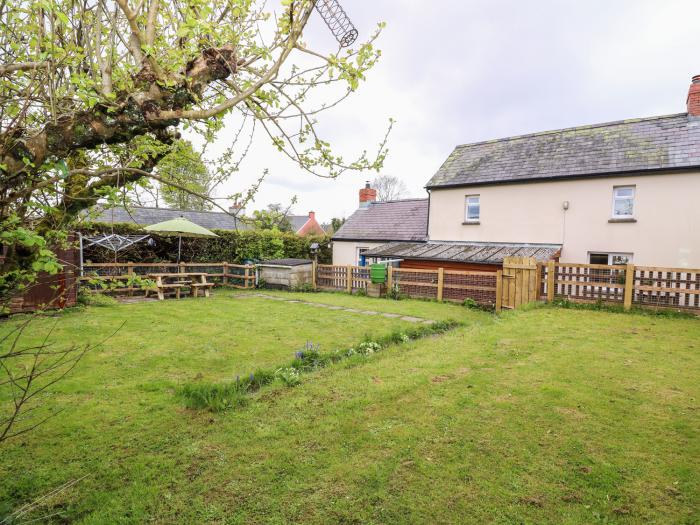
[
  {"x": 611, "y": 255},
  {"x": 615, "y": 199},
  {"x": 466, "y": 208}
]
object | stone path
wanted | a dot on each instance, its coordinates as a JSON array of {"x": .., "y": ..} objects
[{"x": 408, "y": 318}]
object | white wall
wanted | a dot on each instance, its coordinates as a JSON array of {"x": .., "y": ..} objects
[
  {"x": 345, "y": 252},
  {"x": 666, "y": 207}
]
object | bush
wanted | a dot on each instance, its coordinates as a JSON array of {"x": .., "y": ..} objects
[{"x": 231, "y": 246}]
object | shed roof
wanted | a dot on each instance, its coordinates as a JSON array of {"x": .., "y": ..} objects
[
  {"x": 286, "y": 262},
  {"x": 466, "y": 252},
  {"x": 145, "y": 216},
  {"x": 668, "y": 142},
  {"x": 402, "y": 220}
]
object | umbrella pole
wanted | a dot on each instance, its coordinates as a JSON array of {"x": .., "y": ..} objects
[{"x": 179, "y": 248}]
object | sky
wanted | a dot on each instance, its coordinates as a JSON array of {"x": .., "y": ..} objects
[{"x": 455, "y": 72}]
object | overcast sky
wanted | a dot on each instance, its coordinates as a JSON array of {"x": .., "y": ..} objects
[{"x": 462, "y": 71}]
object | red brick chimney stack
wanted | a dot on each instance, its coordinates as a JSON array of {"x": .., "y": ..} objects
[
  {"x": 368, "y": 195},
  {"x": 694, "y": 97}
]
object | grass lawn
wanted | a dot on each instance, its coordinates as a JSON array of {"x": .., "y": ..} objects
[
  {"x": 540, "y": 416},
  {"x": 427, "y": 309}
]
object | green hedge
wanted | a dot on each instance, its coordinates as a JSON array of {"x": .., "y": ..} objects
[{"x": 231, "y": 246}]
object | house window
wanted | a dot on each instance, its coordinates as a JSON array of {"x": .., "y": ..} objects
[
  {"x": 609, "y": 258},
  {"x": 473, "y": 208},
  {"x": 623, "y": 202}
]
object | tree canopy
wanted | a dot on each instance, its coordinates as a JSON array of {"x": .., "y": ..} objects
[{"x": 94, "y": 94}]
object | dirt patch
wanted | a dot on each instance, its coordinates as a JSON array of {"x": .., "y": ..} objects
[
  {"x": 571, "y": 412},
  {"x": 440, "y": 379},
  {"x": 533, "y": 501}
]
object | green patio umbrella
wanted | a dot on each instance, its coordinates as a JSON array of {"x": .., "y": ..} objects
[{"x": 179, "y": 227}]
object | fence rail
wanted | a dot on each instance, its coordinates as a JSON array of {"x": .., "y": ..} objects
[
  {"x": 221, "y": 274},
  {"x": 626, "y": 285},
  {"x": 442, "y": 285}
]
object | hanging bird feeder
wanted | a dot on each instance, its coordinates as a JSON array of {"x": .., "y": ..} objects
[{"x": 337, "y": 21}]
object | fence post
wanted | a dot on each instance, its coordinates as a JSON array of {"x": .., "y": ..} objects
[
  {"x": 440, "y": 283},
  {"x": 550, "y": 281},
  {"x": 538, "y": 281},
  {"x": 182, "y": 267},
  {"x": 224, "y": 278},
  {"x": 629, "y": 286},
  {"x": 246, "y": 274},
  {"x": 499, "y": 290},
  {"x": 314, "y": 269},
  {"x": 130, "y": 268},
  {"x": 390, "y": 278},
  {"x": 348, "y": 284}
]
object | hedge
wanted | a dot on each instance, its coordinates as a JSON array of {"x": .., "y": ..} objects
[{"x": 231, "y": 246}]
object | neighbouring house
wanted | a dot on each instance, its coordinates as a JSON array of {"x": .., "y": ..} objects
[
  {"x": 612, "y": 193},
  {"x": 306, "y": 224},
  {"x": 212, "y": 220},
  {"x": 374, "y": 224}
]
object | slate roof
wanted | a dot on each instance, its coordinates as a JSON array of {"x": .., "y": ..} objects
[
  {"x": 648, "y": 144},
  {"x": 466, "y": 252},
  {"x": 402, "y": 220},
  {"x": 144, "y": 216},
  {"x": 297, "y": 221}
]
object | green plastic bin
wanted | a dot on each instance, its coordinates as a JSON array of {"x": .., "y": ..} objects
[{"x": 377, "y": 273}]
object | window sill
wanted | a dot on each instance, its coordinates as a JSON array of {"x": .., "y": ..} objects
[
  {"x": 613, "y": 220},
  {"x": 471, "y": 223}
]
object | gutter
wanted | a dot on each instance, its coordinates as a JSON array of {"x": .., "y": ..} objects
[{"x": 607, "y": 174}]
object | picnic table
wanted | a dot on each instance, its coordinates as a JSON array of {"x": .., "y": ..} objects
[{"x": 167, "y": 283}]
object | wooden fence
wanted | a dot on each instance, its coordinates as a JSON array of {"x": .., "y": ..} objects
[
  {"x": 626, "y": 285},
  {"x": 439, "y": 284},
  {"x": 221, "y": 274}
]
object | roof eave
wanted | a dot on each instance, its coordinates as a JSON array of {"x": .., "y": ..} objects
[{"x": 607, "y": 174}]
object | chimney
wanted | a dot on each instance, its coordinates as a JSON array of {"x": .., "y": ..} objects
[
  {"x": 312, "y": 215},
  {"x": 693, "y": 99},
  {"x": 237, "y": 209},
  {"x": 368, "y": 195}
]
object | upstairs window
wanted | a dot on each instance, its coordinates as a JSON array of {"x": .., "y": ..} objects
[
  {"x": 623, "y": 202},
  {"x": 473, "y": 208}
]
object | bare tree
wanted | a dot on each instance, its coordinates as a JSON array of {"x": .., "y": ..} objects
[
  {"x": 27, "y": 371},
  {"x": 389, "y": 188}
]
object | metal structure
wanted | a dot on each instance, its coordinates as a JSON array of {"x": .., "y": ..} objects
[
  {"x": 114, "y": 241},
  {"x": 337, "y": 21}
]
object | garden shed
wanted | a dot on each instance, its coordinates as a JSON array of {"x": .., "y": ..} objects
[{"x": 286, "y": 273}]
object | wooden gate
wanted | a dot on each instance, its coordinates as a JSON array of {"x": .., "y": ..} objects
[{"x": 520, "y": 281}]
